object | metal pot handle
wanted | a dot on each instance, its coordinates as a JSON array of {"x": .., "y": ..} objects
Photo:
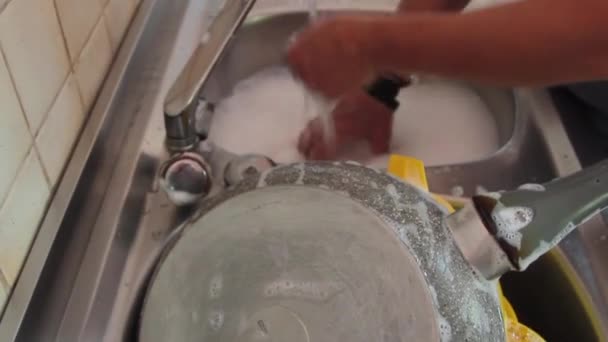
[
  {"x": 510, "y": 230},
  {"x": 563, "y": 205}
]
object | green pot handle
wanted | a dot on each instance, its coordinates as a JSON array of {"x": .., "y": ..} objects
[{"x": 530, "y": 221}]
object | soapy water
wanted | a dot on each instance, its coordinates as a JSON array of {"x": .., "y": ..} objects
[
  {"x": 216, "y": 286},
  {"x": 509, "y": 221},
  {"x": 320, "y": 104},
  {"x": 544, "y": 246},
  {"x": 532, "y": 187},
  {"x": 437, "y": 122},
  {"x": 216, "y": 319},
  {"x": 308, "y": 290},
  {"x": 445, "y": 330}
]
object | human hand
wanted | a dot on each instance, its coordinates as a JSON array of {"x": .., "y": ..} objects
[
  {"x": 333, "y": 55},
  {"x": 357, "y": 117}
]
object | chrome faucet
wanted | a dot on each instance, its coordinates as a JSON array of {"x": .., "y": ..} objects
[
  {"x": 181, "y": 102},
  {"x": 186, "y": 177}
]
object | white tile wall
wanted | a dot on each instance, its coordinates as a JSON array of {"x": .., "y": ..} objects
[
  {"x": 30, "y": 37},
  {"x": 20, "y": 214},
  {"x": 54, "y": 55},
  {"x": 15, "y": 137},
  {"x": 66, "y": 116},
  {"x": 78, "y": 18},
  {"x": 118, "y": 15},
  {"x": 93, "y": 63}
]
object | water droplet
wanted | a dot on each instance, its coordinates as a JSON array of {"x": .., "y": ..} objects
[{"x": 216, "y": 320}]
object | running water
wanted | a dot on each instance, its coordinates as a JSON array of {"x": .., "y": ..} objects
[
  {"x": 315, "y": 102},
  {"x": 312, "y": 10}
]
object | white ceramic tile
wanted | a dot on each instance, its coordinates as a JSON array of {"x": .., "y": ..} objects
[
  {"x": 35, "y": 53},
  {"x": 118, "y": 15},
  {"x": 78, "y": 18},
  {"x": 20, "y": 215},
  {"x": 93, "y": 64},
  {"x": 60, "y": 130},
  {"x": 15, "y": 138}
]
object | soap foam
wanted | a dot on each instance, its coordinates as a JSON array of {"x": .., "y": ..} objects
[
  {"x": 510, "y": 220},
  {"x": 438, "y": 122}
]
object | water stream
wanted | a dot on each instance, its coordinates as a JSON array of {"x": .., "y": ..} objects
[{"x": 316, "y": 102}]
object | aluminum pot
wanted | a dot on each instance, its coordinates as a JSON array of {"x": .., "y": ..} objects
[
  {"x": 319, "y": 252},
  {"x": 341, "y": 252}
]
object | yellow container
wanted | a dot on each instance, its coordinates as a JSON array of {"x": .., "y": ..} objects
[{"x": 412, "y": 170}]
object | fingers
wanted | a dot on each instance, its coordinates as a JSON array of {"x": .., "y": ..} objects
[
  {"x": 312, "y": 143},
  {"x": 322, "y": 151},
  {"x": 304, "y": 142},
  {"x": 300, "y": 55},
  {"x": 380, "y": 135},
  {"x": 380, "y": 143},
  {"x": 357, "y": 117},
  {"x": 328, "y": 56}
]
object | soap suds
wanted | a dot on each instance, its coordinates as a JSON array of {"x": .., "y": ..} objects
[
  {"x": 544, "y": 246},
  {"x": 532, "y": 187},
  {"x": 438, "y": 122},
  {"x": 509, "y": 221},
  {"x": 458, "y": 191}
]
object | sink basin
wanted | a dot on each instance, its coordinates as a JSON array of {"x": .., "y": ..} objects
[
  {"x": 427, "y": 105},
  {"x": 108, "y": 223}
]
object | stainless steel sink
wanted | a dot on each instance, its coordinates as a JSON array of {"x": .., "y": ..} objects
[
  {"x": 108, "y": 221},
  {"x": 263, "y": 39}
]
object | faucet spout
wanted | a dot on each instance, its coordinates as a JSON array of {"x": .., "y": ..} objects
[{"x": 182, "y": 100}]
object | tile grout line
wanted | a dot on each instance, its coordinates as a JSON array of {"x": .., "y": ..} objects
[
  {"x": 48, "y": 111},
  {"x": 113, "y": 55},
  {"x": 4, "y": 284},
  {"x": 5, "y": 6},
  {"x": 63, "y": 83},
  {"x": 65, "y": 41},
  {"x": 87, "y": 40},
  {"x": 45, "y": 173},
  {"x": 29, "y": 129},
  {"x": 19, "y": 169},
  {"x": 103, "y": 14},
  {"x": 14, "y": 85},
  {"x": 67, "y": 51},
  {"x": 33, "y": 135}
]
